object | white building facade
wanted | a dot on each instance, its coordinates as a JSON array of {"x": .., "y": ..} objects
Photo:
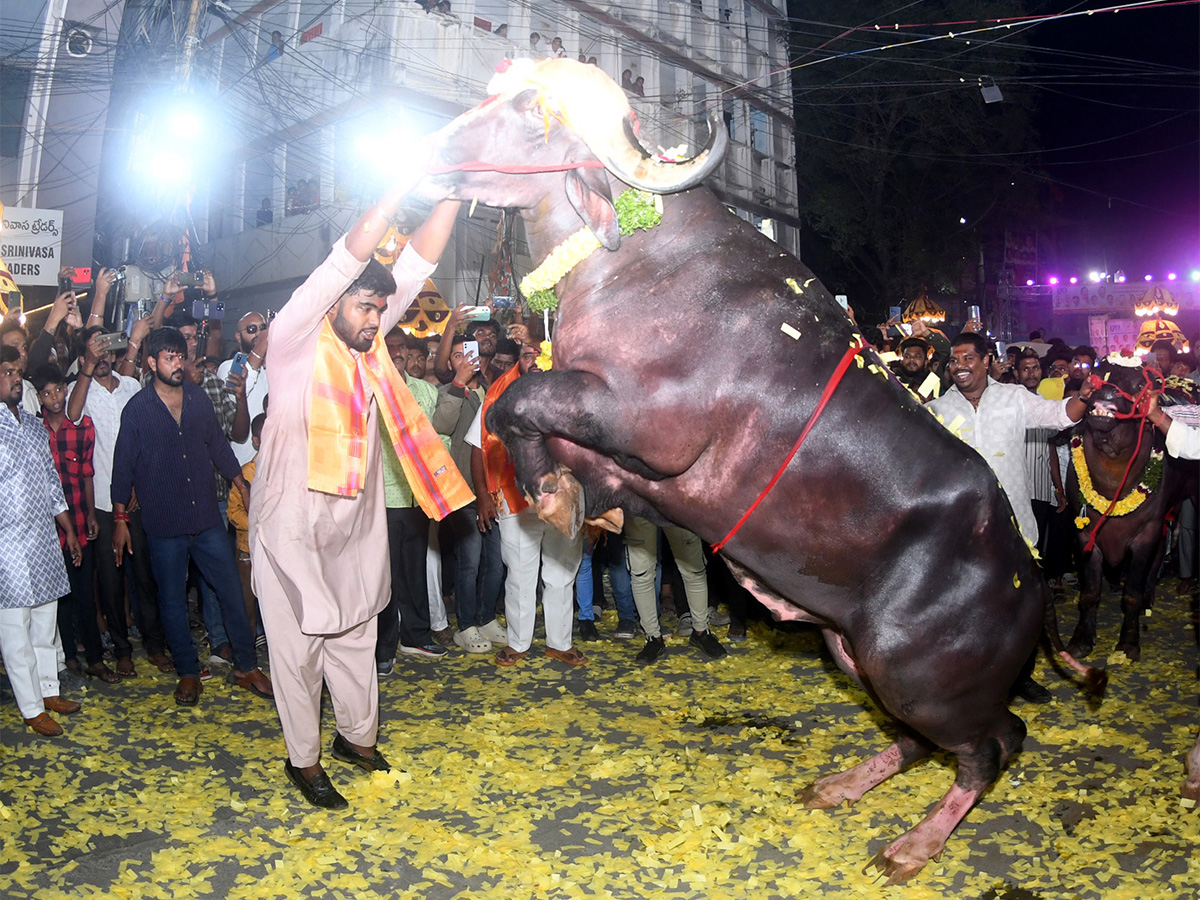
[{"x": 341, "y": 78}]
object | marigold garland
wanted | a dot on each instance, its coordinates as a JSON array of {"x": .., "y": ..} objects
[
  {"x": 635, "y": 210},
  {"x": 1093, "y": 498},
  {"x": 545, "y": 359}
]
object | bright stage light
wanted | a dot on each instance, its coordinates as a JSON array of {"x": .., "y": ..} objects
[
  {"x": 185, "y": 124},
  {"x": 1170, "y": 276},
  {"x": 170, "y": 167},
  {"x": 1094, "y": 277},
  {"x": 1149, "y": 277},
  {"x": 1029, "y": 282},
  {"x": 1074, "y": 280},
  {"x": 1195, "y": 274},
  {"x": 1053, "y": 279}
]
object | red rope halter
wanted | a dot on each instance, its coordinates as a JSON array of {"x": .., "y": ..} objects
[
  {"x": 1136, "y": 411},
  {"x": 848, "y": 357}
]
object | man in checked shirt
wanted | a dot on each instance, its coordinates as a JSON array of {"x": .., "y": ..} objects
[{"x": 71, "y": 446}]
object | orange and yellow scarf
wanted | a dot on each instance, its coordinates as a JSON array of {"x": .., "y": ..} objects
[
  {"x": 497, "y": 464},
  {"x": 337, "y": 428}
]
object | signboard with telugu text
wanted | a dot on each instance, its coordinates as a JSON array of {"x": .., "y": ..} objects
[{"x": 31, "y": 245}]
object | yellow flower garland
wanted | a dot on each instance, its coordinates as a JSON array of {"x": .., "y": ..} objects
[
  {"x": 561, "y": 260},
  {"x": 1096, "y": 500},
  {"x": 545, "y": 360}
]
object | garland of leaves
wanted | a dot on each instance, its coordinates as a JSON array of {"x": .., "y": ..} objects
[
  {"x": 636, "y": 210},
  {"x": 1151, "y": 478}
]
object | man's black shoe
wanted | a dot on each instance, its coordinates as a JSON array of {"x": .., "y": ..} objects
[
  {"x": 706, "y": 642},
  {"x": 1031, "y": 691},
  {"x": 342, "y": 750},
  {"x": 655, "y": 647},
  {"x": 587, "y": 631},
  {"x": 319, "y": 792}
]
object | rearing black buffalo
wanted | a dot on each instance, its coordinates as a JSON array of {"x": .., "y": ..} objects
[{"x": 885, "y": 529}]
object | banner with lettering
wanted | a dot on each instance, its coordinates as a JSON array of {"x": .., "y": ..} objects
[{"x": 31, "y": 245}]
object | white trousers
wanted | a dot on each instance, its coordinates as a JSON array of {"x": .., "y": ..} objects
[
  {"x": 301, "y": 662},
  {"x": 31, "y": 649},
  {"x": 526, "y": 542},
  {"x": 433, "y": 576}
]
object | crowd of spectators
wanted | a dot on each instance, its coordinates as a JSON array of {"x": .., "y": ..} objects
[{"x": 152, "y": 443}]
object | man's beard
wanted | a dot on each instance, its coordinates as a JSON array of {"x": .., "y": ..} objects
[
  {"x": 174, "y": 380},
  {"x": 102, "y": 370}
]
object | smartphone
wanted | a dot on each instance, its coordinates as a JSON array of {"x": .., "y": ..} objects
[
  {"x": 1001, "y": 350},
  {"x": 237, "y": 367},
  {"x": 973, "y": 312},
  {"x": 477, "y": 314},
  {"x": 208, "y": 309},
  {"x": 893, "y": 312},
  {"x": 189, "y": 279},
  {"x": 471, "y": 348},
  {"x": 115, "y": 341},
  {"x": 503, "y": 303},
  {"x": 843, "y": 300}
]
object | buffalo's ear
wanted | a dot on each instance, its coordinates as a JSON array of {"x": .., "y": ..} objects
[{"x": 587, "y": 189}]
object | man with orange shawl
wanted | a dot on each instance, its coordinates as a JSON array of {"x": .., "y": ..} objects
[{"x": 318, "y": 534}]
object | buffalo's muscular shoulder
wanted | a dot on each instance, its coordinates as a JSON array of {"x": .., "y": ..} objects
[{"x": 688, "y": 358}]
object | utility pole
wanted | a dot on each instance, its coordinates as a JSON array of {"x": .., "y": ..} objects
[{"x": 191, "y": 41}]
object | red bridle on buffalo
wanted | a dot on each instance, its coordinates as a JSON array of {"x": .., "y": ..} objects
[{"x": 1137, "y": 410}]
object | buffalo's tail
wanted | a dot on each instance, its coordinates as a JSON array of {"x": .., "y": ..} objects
[{"x": 1095, "y": 679}]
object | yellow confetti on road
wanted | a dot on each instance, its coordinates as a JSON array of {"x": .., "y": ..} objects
[{"x": 673, "y": 781}]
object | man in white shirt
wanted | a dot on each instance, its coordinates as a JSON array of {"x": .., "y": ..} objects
[
  {"x": 251, "y": 336},
  {"x": 992, "y": 418}
]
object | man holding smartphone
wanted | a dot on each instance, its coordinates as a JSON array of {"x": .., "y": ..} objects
[{"x": 251, "y": 337}]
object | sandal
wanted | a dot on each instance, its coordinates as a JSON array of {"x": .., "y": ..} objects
[
  {"x": 162, "y": 662},
  {"x": 103, "y": 672},
  {"x": 510, "y": 657},
  {"x": 254, "y": 681},
  {"x": 571, "y": 656},
  {"x": 125, "y": 668},
  {"x": 188, "y": 691}
]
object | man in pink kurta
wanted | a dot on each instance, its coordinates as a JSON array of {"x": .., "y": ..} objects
[{"x": 320, "y": 561}]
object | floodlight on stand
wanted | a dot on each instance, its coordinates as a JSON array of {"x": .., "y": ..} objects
[{"x": 991, "y": 93}]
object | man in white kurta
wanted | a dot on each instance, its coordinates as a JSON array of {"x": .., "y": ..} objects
[
  {"x": 32, "y": 573},
  {"x": 320, "y": 561},
  {"x": 992, "y": 418}
]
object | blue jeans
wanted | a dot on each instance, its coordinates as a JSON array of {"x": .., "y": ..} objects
[
  {"x": 478, "y": 570},
  {"x": 213, "y": 555},
  {"x": 210, "y": 607},
  {"x": 611, "y": 555}
]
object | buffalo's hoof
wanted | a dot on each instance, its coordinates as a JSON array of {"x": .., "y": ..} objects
[
  {"x": 1079, "y": 648},
  {"x": 1191, "y": 792},
  {"x": 898, "y": 862},
  {"x": 560, "y": 502},
  {"x": 822, "y": 795},
  {"x": 1131, "y": 650},
  {"x": 610, "y": 520}
]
